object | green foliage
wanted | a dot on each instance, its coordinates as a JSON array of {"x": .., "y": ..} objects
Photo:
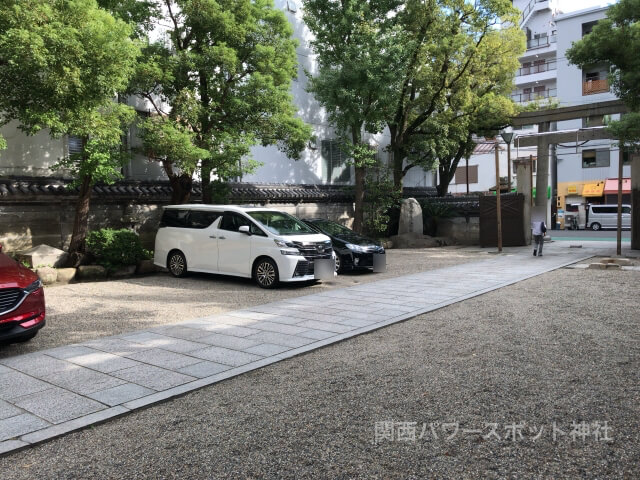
[
  {"x": 225, "y": 68},
  {"x": 382, "y": 196},
  {"x": 220, "y": 192},
  {"x": 116, "y": 248},
  {"x": 137, "y": 13},
  {"x": 615, "y": 41},
  {"x": 59, "y": 61}
]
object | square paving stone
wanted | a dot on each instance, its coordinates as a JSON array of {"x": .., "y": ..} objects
[
  {"x": 117, "y": 346},
  {"x": 329, "y": 327},
  {"x": 317, "y": 334},
  {"x": 165, "y": 342},
  {"x": 16, "y": 384},
  {"x": 229, "y": 341},
  {"x": 280, "y": 339},
  {"x": 225, "y": 356},
  {"x": 204, "y": 369},
  {"x": 280, "y": 328},
  {"x": 83, "y": 380},
  {"x": 121, "y": 394},
  {"x": 268, "y": 349},
  {"x": 163, "y": 358},
  {"x": 178, "y": 331},
  {"x": 38, "y": 365},
  {"x": 57, "y": 405},
  {"x": 101, "y": 361},
  {"x": 226, "y": 329},
  {"x": 153, "y": 377},
  {"x": 7, "y": 410},
  {"x": 19, "y": 425}
]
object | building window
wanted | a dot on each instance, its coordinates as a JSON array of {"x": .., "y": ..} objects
[
  {"x": 335, "y": 165},
  {"x": 595, "y": 82},
  {"x": 595, "y": 158},
  {"x": 460, "y": 176},
  {"x": 587, "y": 27},
  {"x": 74, "y": 145}
]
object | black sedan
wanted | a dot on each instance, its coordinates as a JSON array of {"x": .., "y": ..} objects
[{"x": 353, "y": 251}]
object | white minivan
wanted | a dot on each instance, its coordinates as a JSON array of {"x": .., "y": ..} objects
[{"x": 269, "y": 245}]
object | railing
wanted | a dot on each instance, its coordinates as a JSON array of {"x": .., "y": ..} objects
[
  {"x": 595, "y": 86},
  {"x": 528, "y": 9},
  {"x": 543, "y": 67},
  {"x": 541, "y": 42},
  {"x": 529, "y": 97}
]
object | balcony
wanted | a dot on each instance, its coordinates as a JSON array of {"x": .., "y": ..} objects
[
  {"x": 541, "y": 42},
  {"x": 531, "y": 96},
  {"x": 591, "y": 87},
  {"x": 532, "y": 69},
  {"x": 534, "y": 6}
]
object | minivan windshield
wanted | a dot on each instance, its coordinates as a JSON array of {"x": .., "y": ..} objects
[{"x": 280, "y": 223}]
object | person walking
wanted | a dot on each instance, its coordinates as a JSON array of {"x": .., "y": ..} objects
[{"x": 539, "y": 231}]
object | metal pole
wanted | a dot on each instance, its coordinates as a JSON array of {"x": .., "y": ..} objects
[
  {"x": 467, "y": 175},
  {"x": 531, "y": 176},
  {"x": 619, "y": 236},
  {"x": 509, "y": 165},
  {"x": 498, "y": 211}
]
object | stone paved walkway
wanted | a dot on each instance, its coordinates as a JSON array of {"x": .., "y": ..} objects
[{"x": 52, "y": 392}]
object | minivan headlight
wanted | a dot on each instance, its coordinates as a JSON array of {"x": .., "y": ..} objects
[
  {"x": 33, "y": 287},
  {"x": 283, "y": 244}
]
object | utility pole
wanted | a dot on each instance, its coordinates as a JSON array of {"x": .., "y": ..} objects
[
  {"x": 619, "y": 236},
  {"x": 498, "y": 210}
]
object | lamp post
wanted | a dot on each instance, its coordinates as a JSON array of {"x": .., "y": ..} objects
[{"x": 507, "y": 137}]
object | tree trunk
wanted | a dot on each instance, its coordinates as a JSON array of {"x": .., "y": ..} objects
[
  {"x": 206, "y": 181},
  {"x": 358, "y": 216},
  {"x": 181, "y": 185},
  {"x": 180, "y": 188},
  {"x": 444, "y": 177},
  {"x": 80, "y": 223}
]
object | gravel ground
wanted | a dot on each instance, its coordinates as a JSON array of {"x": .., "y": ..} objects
[
  {"x": 562, "y": 347},
  {"x": 85, "y": 311}
]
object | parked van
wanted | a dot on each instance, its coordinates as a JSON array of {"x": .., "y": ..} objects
[
  {"x": 266, "y": 244},
  {"x": 606, "y": 216}
]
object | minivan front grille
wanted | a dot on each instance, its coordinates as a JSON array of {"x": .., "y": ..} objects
[
  {"x": 9, "y": 299},
  {"x": 303, "y": 268},
  {"x": 313, "y": 250}
]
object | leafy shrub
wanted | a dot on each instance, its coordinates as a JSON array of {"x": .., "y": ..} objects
[
  {"x": 381, "y": 203},
  {"x": 436, "y": 209},
  {"x": 116, "y": 248}
]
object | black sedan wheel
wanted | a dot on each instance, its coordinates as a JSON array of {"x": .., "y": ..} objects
[
  {"x": 338, "y": 263},
  {"x": 265, "y": 273},
  {"x": 177, "y": 264}
]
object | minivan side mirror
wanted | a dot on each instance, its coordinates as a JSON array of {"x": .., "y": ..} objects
[{"x": 245, "y": 229}]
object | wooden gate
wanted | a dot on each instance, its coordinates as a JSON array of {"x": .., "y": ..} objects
[{"x": 512, "y": 207}]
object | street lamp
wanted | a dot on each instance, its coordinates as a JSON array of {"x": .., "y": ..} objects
[{"x": 507, "y": 137}]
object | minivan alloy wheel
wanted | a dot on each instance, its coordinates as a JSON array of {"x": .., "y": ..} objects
[
  {"x": 266, "y": 274},
  {"x": 177, "y": 264},
  {"x": 595, "y": 226}
]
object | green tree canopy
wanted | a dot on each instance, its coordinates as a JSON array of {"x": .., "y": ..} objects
[
  {"x": 615, "y": 40},
  {"x": 61, "y": 63},
  {"x": 356, "y": 51},
  {"x": 224, "y": 74}
]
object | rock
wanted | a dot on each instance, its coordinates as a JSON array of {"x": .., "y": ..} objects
[
  {"x": 597, "y": 266},
  {"x": 146, "y": 266},
  {"x": 613, "y": 266},
  {"x": 415, "y": 240},
  {"x": 65, "y": 275},
  {"x": 387, "y": 244},
  {"x": 410, "y": 217},
  {"x": 124, "y": 272},
  {"x": 43, "y": 255},
  {"x": 91, "y": 272},
  {"x": 47, "y": 275}
]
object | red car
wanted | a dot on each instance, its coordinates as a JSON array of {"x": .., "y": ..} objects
[{"x": 22, "y": 308}]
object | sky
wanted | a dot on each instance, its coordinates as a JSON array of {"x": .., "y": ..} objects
[{"x": 572, "y": 5}]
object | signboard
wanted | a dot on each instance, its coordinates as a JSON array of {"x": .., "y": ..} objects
[{"x": 572, "y": 189}]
